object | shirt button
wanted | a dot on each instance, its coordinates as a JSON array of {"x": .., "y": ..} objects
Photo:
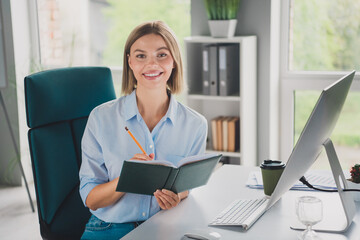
[
  {"x": 144, "y": 214},
  {"x": 151, "y": 146}
]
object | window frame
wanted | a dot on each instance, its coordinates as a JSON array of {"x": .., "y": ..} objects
[{"x": 291, "y": 81}]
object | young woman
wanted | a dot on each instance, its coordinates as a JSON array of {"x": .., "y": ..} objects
[{"x": 165, "y": 128}]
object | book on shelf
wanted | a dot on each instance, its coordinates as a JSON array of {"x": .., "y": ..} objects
[
  {"x": 225, "y": 133},
  {"x": 145, "y": 177},
  {"x": 219, "y": 134},
  {"x": 233, "y": 134},
  {"x": 213, "y": 134}
]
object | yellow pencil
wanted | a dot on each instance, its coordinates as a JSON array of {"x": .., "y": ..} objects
[{"x": 126, "y": 128}]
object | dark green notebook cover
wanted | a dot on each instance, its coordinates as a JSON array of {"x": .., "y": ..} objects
[{"x": 146, "y": 177}]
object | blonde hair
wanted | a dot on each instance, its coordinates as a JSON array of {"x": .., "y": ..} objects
[{"x": 175, "y": 83}]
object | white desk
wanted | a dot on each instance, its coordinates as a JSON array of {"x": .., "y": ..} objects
[{"x": 226, "y": 185}]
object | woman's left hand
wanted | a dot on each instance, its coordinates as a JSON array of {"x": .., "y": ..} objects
[{"x": 168, "y": 199}]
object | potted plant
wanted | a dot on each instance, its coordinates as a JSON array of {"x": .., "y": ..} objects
[
  {"x": 222, "y": 15},
  {"x": 354, "y": 181}
]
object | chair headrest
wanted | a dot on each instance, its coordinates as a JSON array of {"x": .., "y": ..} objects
[{"x": 66, "y": 93}]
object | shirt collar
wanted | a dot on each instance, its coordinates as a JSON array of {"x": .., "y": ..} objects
[
  {"x": 130, "y": 107},
  {"x": 132, "y": 110},
  {"x": 172, "y": 110}
]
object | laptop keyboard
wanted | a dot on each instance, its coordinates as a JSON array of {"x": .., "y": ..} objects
[{"x": 239, "y": 211}]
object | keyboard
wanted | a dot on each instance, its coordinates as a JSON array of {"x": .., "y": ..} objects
[{"x": 241, "y": 212}]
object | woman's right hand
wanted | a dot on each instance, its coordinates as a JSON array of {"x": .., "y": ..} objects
[{"x": 143, "y": 157}]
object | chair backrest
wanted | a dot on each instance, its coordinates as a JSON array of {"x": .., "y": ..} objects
[{"x": 58, "y": 103}]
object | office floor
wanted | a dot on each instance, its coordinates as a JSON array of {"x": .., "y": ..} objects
[{"x": 17, "y": 221}]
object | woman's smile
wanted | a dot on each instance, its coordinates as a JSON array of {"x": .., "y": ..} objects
[{"x": 153, "y": 75}]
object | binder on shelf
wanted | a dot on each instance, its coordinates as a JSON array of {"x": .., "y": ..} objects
[
  {"x": 228, "y": 69},
  {"x": 213, "y": 70},
  {"x": 205, "y": 70}
]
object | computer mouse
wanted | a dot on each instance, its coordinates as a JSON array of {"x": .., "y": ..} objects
[{"x": 203, "y": 234}]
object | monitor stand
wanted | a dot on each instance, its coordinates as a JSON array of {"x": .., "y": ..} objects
[{"x": 339, "y": 220}]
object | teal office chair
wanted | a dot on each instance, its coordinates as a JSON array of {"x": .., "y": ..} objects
[{"x": 58, "y": 103}]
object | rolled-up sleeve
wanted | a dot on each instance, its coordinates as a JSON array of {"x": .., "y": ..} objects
[{"x": 92, "y": 171}]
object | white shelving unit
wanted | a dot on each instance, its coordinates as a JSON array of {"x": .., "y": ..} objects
[{"x": 243, "y": 105}]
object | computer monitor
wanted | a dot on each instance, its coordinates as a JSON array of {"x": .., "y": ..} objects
[{"x": 316, "y": 132}]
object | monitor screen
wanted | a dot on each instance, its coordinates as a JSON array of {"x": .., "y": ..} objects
[{"x": 317, "y": 130}]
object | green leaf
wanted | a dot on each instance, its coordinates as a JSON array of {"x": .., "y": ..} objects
[{"x": 221, "y": 9}]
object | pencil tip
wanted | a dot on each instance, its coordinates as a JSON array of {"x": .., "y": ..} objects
[{"x": 126, "y": 128}]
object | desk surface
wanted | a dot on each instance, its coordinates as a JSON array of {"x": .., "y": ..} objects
[{"x": 226, "y": 185}]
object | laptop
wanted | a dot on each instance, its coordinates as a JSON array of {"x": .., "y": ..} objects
[{"x": 317, "y": 131}]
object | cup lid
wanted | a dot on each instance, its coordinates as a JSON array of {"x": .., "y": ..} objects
[{"x": 272, "y": 164}]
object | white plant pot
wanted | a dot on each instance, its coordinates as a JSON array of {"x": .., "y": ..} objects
[
  {"x": 222, "y": 28},
  {"x": 352, "y": 185}
]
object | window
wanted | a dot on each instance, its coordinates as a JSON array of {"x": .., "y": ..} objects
[
  {"x": 319, "y": 45},
  {"x": 324, "y": 35},
  {"x": 124, "y": 15},
  {"x": 346, "y": 135},
  {"x": 93, "y": 32},
  {"x": 62, "y": 33}
]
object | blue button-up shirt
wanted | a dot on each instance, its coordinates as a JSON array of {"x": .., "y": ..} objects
[{"x": 105, "y": 145}]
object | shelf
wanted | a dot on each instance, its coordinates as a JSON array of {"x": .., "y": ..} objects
[
  {"x": 215, "y": 98},
  {"x": 225, "y": 154},
  {"x": 243, "y": 104}
]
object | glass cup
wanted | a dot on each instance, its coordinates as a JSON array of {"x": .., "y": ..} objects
[{"x": 309, "y": 211}]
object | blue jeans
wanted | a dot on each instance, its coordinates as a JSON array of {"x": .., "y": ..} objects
[{"x": 98, "y": 229}]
